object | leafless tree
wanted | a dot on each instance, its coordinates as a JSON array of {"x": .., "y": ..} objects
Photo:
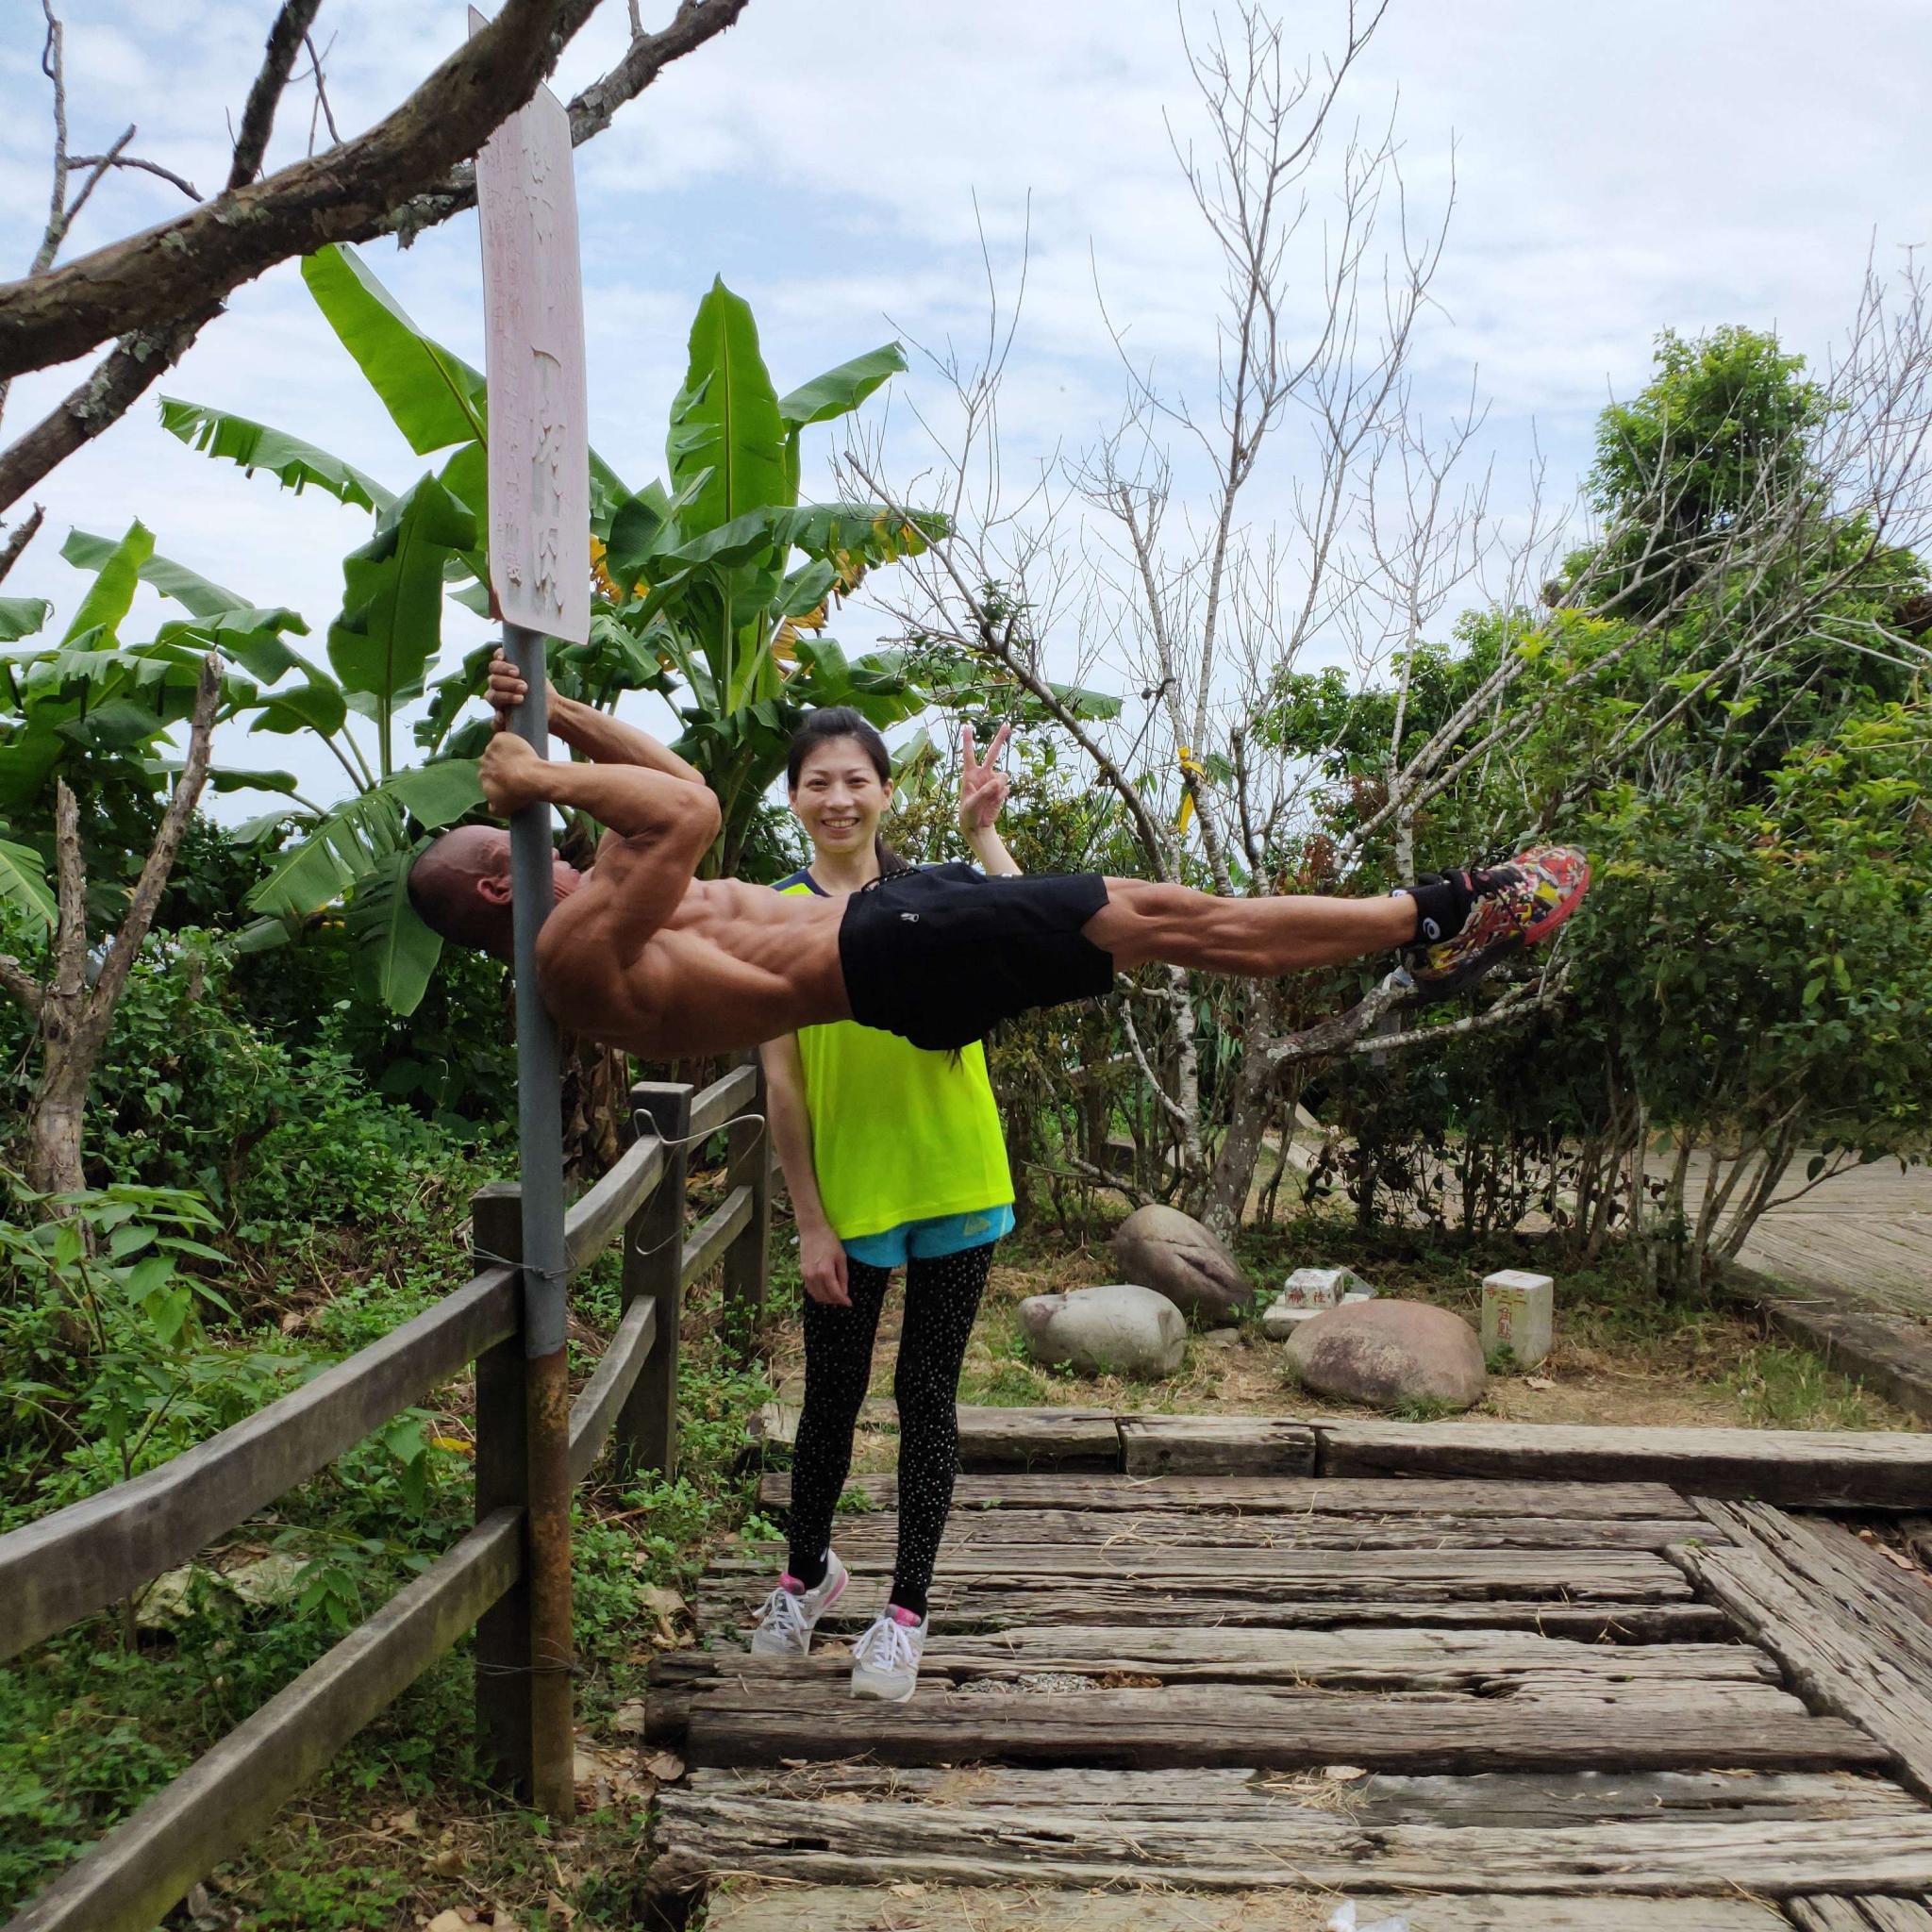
[
  {"x": 1112, "y": 560},
  {"x": 151, "y": 294}
]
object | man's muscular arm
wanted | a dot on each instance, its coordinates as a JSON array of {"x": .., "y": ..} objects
[
  {"x": 633, "y": 800},
  {"x": 597, "y": 735}
]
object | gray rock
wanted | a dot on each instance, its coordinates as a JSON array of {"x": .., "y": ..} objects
[
  {"x": 1281, "y": 1318},
  {"x": 1122, "y": 1329},
  {"x": 1389, "y": 1354},
  {"x": 1175, "y": 1255}
]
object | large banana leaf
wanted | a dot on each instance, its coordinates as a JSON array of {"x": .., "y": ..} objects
[
  {"x": 20, "y": 617},
  {"x": 438, "y": 794},
  {"x": 295, "y": 463},
  {"x": 316, "y": 706},
  {"x": 391, "y": 627},
  {"x": 396, "y": 953},
  {"x": 345, "y": 847},
  {"x": 23, "y": 884},
  {"x": 725, "y": 419},
  {"x": 434, "y": 397},
  {"x": 222, "y": 620},
  {"x": 112, "y": 593},
  {"x": 837, "y": 392}
]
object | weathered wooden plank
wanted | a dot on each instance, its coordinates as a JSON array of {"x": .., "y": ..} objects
[
  {"x": 730, "y": 1606},
  {"x": 596, "y": 1407},
  {"x": 988, "y": 1909},
  {"x": 1826, "y": 1914},
  {"x": 1249, "y": 1445},
  {"x": 1238, "y": 1804},
  {"x": 747, "y": 1723},
  {"x": 1844, "y": 1644},
  {"x": 1490, "y": 1663},
  {"x": 1909, "y": 1590},
  {"x": 590, "y": 1225},
  {"x": 1175, "y": 1530},
  {"x": 704, "y": 1246},
  {"x": 729, "y": 1824},
  {"x": 1283, "y": 1497},
  {"x": 224, "y": 1799},
  {"x": 1037, "y": 1439},
  {"x": 1480, "y": 1663},
  {"x": 721, "y": 1100},
  {"x": 1818, "y": 1469},
  {"x": 1304, "y": 1575},
  {"x": 94, "y": 1552}
]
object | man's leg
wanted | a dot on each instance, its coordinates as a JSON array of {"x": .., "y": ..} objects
[{"x": 1257, "y": 939}]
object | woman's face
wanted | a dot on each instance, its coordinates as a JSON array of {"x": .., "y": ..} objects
[{"x": 839, "y": 799}]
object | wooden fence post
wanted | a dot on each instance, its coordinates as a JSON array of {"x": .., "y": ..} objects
[
  {"x": 748, "y": 1260},
  {"x": 645, "y": 1437},
  {"x": 503, "y": 1481}
]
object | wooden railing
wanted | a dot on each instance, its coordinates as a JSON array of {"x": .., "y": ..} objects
[{"x": 79, "y": 1560}]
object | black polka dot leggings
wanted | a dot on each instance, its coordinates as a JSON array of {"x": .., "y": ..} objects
[{"x": 942, "y": 1298}]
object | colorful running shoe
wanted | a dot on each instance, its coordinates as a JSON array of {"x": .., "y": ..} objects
[{"x": 1517, "y": 905}]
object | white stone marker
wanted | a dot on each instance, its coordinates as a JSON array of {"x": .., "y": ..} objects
[
  {"x": 1519, "y": 1311},
  {"x": 1321, "y": 1288}
]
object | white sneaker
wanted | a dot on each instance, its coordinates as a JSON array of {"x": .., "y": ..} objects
[
  {"x": 884, "y": 1661},
  {"x": 788, "y": 1616}
]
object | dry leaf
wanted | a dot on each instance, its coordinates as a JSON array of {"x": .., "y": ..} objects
[
  {"x": 1342, "y": 1773},
  {"x": 1538, "y": 1382},
  {"x": 449, "y": 1864},
  {"x": 294, "y": 1320},
  {"x": 562, "y": 1908},
  {"x": 451, "y": 1921},
  {"x": 404, "y": 1823},
  {"x": 906, "y": 1890},
  {"x": 664, "y": 1766},
  {"x": 629, "y": 1720}
]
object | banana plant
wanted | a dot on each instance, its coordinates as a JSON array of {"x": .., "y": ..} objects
[{"x": 96, "y": 711}]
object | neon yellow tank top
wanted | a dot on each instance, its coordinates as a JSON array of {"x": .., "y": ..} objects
[{"x": 897, "y": 1134}]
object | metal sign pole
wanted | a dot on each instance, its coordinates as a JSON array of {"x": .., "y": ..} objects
[
  {"x": 540, "y": 528},
  {"x": 540, "y": 1163}
]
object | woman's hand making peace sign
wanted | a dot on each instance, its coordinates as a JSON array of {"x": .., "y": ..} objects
[{"x": 983, "y": 787}]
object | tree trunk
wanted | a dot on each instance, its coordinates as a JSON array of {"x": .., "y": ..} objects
[
  {"x": 54, "y": 1128},
  {"x": 1250, "y": 1108}
]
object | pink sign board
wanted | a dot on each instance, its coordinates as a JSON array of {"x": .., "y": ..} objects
[{"x": 533, "y": 314}]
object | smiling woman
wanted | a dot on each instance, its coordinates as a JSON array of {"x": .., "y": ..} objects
[{"x": 893, "y": 1158}]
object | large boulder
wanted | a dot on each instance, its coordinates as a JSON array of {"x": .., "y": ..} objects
[
  {"x": 1120, "y": 1330},
  {"x": 1175, "y": 1254},
  {"x": 1390, "y": 1354}
]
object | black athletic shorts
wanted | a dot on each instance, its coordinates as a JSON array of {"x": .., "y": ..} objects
[{"x": 942, "y": 955}]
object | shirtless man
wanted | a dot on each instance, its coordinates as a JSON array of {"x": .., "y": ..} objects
[{"x": 642, "y": 955}]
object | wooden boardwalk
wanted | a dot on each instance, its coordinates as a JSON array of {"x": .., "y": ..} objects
[
  {"x": 1222, "y": 1701},
  {"x": 1848, "y": 1269}
]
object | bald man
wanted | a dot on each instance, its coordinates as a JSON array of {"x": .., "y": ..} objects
[{"x": 642, "y": 954}]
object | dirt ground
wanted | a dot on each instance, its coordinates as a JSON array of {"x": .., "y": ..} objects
[{"x": 1621, "y": 1356}]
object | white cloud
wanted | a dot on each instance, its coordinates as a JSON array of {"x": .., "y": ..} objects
[{"x": 1619, "y": 170}]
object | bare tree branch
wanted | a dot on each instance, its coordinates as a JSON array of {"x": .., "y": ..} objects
[
  {"x": 152, "y": 279},
  {"x": 19, "y": 983},
  {"x": 24, "y": 533},
  {"x": 321, "y": 106},
  {"x": 113, "y": 159},
  {"x": 143, "y": 903}
]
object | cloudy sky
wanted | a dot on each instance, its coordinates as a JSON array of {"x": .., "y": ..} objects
[{"x": 1618, "y": 169}]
